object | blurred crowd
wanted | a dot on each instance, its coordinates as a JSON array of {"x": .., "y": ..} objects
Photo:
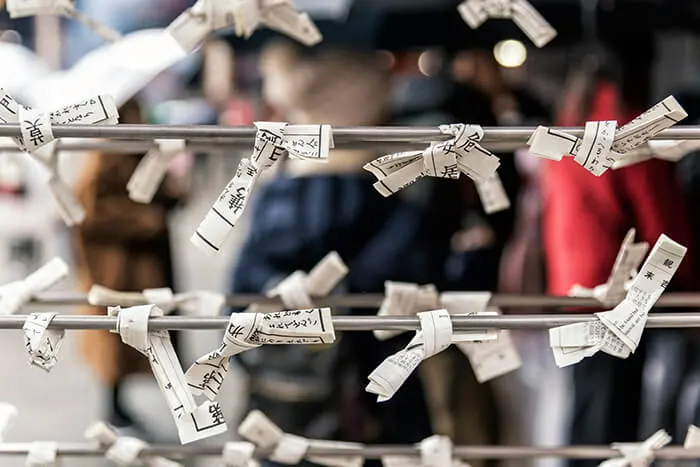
[{"x": 564, "y": 228}]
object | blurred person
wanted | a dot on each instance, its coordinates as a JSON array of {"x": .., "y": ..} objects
[
  {"x": 307, "y": 210},
  {"x": 585, "y": 219},
  {"x": 122, "y": 245}
]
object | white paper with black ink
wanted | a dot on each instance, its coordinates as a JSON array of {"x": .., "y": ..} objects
[
  {"x": 250, "y": 330},
  {"x": 42, "y": 344},
  {"x": 193, "y": 422}
]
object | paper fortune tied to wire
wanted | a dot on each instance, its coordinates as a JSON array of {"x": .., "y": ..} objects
[
  {"x": 618, "y": 332},
  {"x": 272, "y": 141},
  {"x": 603, "y": 143},
  {"x": 528, "y": 19},
  {"x": 447, "y": 159},
  {"x": 207, "y": 16},
  {"x": 24, "y": 8}
]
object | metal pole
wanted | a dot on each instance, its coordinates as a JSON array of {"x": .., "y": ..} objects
[
  {"x": 371, "y": 451},
  {"x": 670, "y": 300},
  {"x": 361, "y": 323},
  {"x": 341, "y": 135}
]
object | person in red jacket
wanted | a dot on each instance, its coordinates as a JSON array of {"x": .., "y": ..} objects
[{"x": 584, "y": 221}]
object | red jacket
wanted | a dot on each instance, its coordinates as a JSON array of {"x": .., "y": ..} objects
[{"x": 586, "y": 217}]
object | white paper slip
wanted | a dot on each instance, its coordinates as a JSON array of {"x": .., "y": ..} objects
[
  {"x": 385, "y": 165},
  {"x": 42, "y": 454},
  {"x": 193, "y": 422},
  {"x": 346, "y": 460},
  {"x": 595, "y": 153},
  {"x": 552, "y": 144},
  {"x": 638, "y": 454},
  {"x": 125, "y": 450},
  {"x": 308, "y": 142},
  {"x": 326, "y": 275},
  {"x": 192, "y": 26},
  {"x": 259, "y": 429},
  {"x": 69, "y": 208},
  {"x": 469, "y": 304},
  {"x": 436, "y": 451},
  {"x": 290, "y": 450},
  {"x": 99, "y": 295},
  {"x": 667, "y": 150},
  {"x": 403, "y": 299},
  {"x": 492, "y": 194},
  {"x": 282, "y": 16},
  {"x": 42, "y": 344},
  {"x": 529, "y": 20},
  {"x": 35, "y": 128},
  {"x": 15, "y": 295},
  {"x": 238, "y": 454},
  {"x": 628, "y": 319},
  {"x": 492, "y": 358},
  {"x": 9, "y": 108},
  {"x": 692, "y": 437},
  {"x": 663, "y": 115},
  {"x": 8, "y": 414},
  {"x": 150, "y": 172},
  {"x": 100, "y": 109},
  {"x": 434, "y": 337}
]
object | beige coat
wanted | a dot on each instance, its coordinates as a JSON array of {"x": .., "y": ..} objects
[{"x": 122, "y": 245}]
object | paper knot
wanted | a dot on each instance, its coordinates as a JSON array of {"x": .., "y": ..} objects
[
  {"x": 296, "y": 290},
  {"x": 523, "y": 14},
  {"x": 604, "y": 144},
  {"x": 618, "y": 332},
  {"x": 42, "y": 343},
  {"x": 42, "y": 454},
  {"x": 125, "y": 450},
  {"x": 405, "y": 299},
  {"x": 434, "y": 336},
  {"x": 247, "y": 331},
  {"x": 638, "y": 454},
  {"x": 150, "y": 172},
  {"x": 239, "y": 454},
  {"x": 15, "y": 295},
  {"x": 206, "y": 16}
]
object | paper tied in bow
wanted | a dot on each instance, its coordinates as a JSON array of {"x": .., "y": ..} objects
[
  {"x": 446, "y": 159},
  {"x": 665, "y": 150},
  {"x": 603, "y": 143},
  {"x": 207, "y": 16},
  {"x": 42, "y": 344},
  {"x": 617, "y": 332},
  {"x": 8, "y": 414},
  {"x": 625, "y": 268},
  {"x": 523, "y": 14},
  {"x": 291, "y": 449},
  {"x": 194, "y": 422},
  {"x": 150, "y": 172},
  {"x": 434, "y": 336},
  {"x": 15, "y": 295},
  {"x": 38, "y": 140},
  {"x": 247, "y": 331},
  {"x": 42, "y": 454},
  {"x": 638, "y": 454},
  {"x": 125, "y": 450},
  {"x": 271, "y": 142},
  {"x": 65, "y": 8},
  {"x": 297, "y": 289}
]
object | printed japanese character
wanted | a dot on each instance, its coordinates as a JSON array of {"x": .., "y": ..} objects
[
  {"x": 668, "y": 263},
  {"x": 216, "y": 413},
  {"x": 35, "y": 133},
  {"x": 649, "y": 275},
  {"x": 664, "y": 284}
]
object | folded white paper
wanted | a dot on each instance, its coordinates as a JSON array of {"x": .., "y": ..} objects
[
  {"x": 492, "y": 195},
  {"x": 207, "y": 16},
  {"x": 666, "y": 150},
  {"x": 404, "y": 299},
  {"x": 250, "y": 330},
  {"x": 436, "y": 451},
  {"x": 625, "y": 267},
  {"x": 239, "y": 454},
  {"x": 692, "y": 437},
  {"x": 617, "y": 332},
  {"x": 65, "y": 8},
  {"x": 8, "y": 413},
  {"x": 42, "y": 343},
  {"x": 150, "y": 172},
  {"x": 523, "y": 14},
  {"x": 15, "y": 295},
  {"x": 124, "y": 450},
  {"x": 193, "y": 422},
  {"x": 596, "y": 152},
  {"x": 42, "y": 454},
  {"x": 434, "y": 336},
  {"x": 638, "y": 454}
]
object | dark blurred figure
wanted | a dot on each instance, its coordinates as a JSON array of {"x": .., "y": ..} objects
[
  {"x": 585, "y": 220},
  {"x": 124, "y": 246}
]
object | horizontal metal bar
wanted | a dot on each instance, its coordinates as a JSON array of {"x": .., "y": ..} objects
[
  {"x": 670, "y": 300},
  {"x": 370, "y": 451},
  {"x": 341, "y": 135},
  {"x": 361, "y": 323}
]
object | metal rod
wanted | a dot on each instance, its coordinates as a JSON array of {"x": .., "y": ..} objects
[
  {"x": 361, "y": 323},
  {"x": 370, "y": 451},
  {"x": 341, "y": 135},
  {"x": 670, "y": 300}
]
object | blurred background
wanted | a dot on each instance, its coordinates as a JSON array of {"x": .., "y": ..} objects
[{"x": 382, "y": 62}]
